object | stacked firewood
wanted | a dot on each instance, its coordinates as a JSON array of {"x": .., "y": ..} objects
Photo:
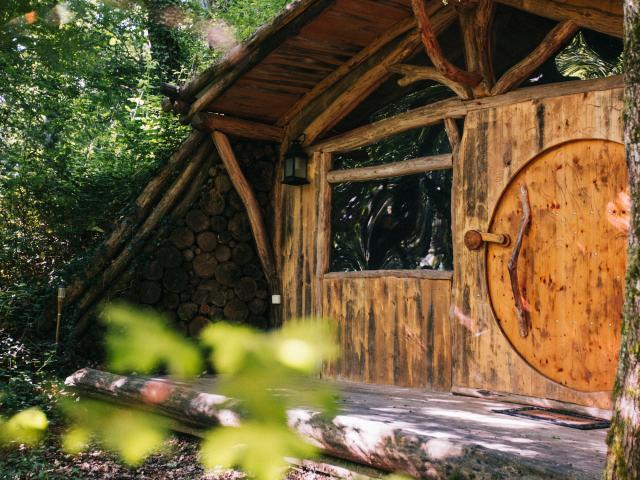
[{"x": 205, "y": 266}]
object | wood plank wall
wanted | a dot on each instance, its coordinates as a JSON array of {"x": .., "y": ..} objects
[
  {"x": 495, "y": 145},
  {"x": 391, "y": 330}
]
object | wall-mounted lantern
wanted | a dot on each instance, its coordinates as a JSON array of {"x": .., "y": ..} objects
[{"x": 295, "y": 165}]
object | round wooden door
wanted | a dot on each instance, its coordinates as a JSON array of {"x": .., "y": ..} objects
[{"x": 570, "y": 270}]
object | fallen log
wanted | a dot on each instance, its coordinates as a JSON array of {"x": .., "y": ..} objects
[{"x": 360, "y": 439}]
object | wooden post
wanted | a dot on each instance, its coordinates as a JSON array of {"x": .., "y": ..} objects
[
  {"x": 62, "y": 291},
  {"x": 254, "y": 212},
  {"x": 323, "y": 256}
]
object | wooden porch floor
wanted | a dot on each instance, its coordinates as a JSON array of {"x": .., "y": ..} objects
[{"x": 426, "y": 434}]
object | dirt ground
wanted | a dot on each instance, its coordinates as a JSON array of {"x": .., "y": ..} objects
[{"x": 178, "y": 461}]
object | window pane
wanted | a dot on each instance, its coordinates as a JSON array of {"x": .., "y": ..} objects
[{"x": 391, "y": 224}]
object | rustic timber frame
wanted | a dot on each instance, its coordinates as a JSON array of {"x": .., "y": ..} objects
[{"x": 302, "y": 77}]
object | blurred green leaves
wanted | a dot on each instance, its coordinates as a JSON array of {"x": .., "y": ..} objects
[
  {"x": 265, "y": 373},
  {"x": 258, "y": 449},
  {"x": 26, "y": 427},
  {"x": 132, "y": 434},
  {"x": 142, "y": 341}
]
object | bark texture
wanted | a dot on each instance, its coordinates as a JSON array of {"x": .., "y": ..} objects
[{"x": 623, "y": 462}]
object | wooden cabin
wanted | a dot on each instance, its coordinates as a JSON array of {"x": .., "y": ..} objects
[{"x": 463, "y": 215}]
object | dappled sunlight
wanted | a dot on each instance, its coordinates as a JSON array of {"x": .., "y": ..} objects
[
  {"x": 441, "y": 449},
  {"x": 154, "y": 392},
  {"x": 619, "y": 213},
  {"x": 487, "y": 419},
  {"x": 509, "y": 449}
]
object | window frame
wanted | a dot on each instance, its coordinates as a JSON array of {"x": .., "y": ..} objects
[{"x": 329, "y": 177}]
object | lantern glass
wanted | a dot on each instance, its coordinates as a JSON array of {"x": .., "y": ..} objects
[{"x": 295, "y": 166}]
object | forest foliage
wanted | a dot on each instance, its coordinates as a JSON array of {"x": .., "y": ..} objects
[{"x": 81, "y": 129}]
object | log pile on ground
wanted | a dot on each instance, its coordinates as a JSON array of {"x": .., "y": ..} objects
[{"x": 205, "y": 266}]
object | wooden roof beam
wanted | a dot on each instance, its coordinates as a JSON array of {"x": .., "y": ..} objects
[
  {"x": 367, "y": 134},
  {"x": 214, "y": 81},
  {"x": 429, "y": 38},
  {"x": 587, "y": 14},
  {"x": 551, "y": 43},
  {"x": 454, "y": 108},
  {"x": 332, "y": 106},
  {"x": 210, "y": 122},
  {"x": 335, "y": 76},
  {"x": 358, "y": 80},
  {"x": 358, "y": 90}
]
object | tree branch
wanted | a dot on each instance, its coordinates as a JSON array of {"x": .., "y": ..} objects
[{"x": 435, "y": 53}]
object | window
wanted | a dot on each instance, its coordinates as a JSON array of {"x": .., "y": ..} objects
[{"x": 397, "y": 223}]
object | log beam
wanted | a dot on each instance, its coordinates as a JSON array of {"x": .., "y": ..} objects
[
  {"x": 170, "y": 91},
  {"x": 416, "y": 73},
  {"x": 166, "y": 105},
  {"x": 455, "y": 108},
  {"x": 359, "y": 90},
  {"x": 118, "y": 266},
  {"x": 551, "y": 43},
  {"x": 244, "y": 57},
  {"x": 591, "y": 14},
  {"x": 395, "y": 169},
  {"x": 210, "y": 122},
  {"x": 430, "y": 41},
  {"x": 332, "y": 105},
  {"x": 476, "y": 23},
  {"x": 254, "y": 212},
  {"x": 124, "y": 228},
  {"x": 365, "y": 135}
]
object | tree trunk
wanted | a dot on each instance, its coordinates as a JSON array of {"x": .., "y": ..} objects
[{"x": 623, "y": 460}]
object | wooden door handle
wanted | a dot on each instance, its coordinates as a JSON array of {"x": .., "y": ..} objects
[
  {"x": 524, "y": 319},
  {"x": 474, "y": 239}
]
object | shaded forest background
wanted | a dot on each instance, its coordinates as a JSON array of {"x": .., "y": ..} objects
[{"x": 81, "y": 130}]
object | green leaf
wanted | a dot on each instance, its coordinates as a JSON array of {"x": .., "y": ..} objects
[
  {"x": 132, "y": 434},
  {"x": 257, "y": 449},
  {"x": 141, "y": 340},
  {"x": 27, "y": 426}
]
